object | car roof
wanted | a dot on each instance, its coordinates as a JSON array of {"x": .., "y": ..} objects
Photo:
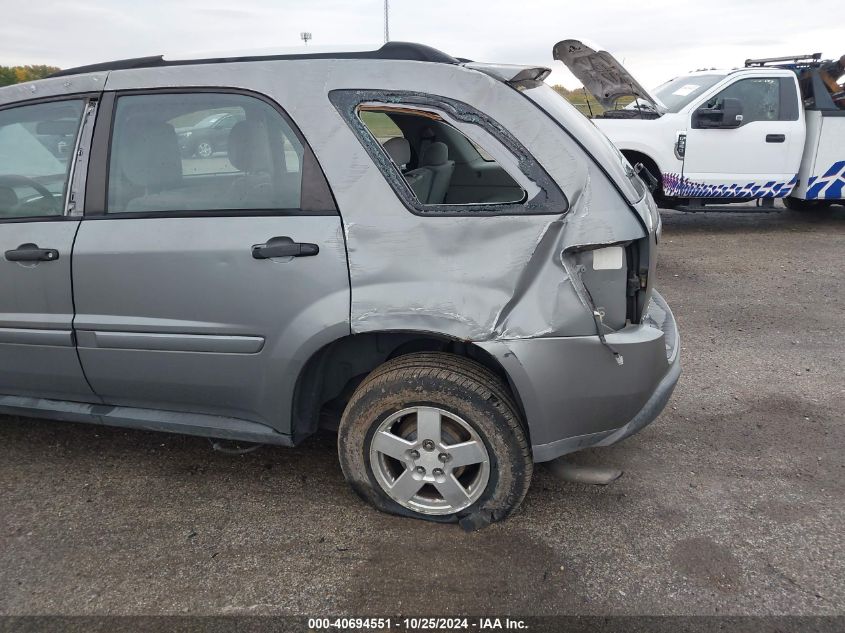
[
  {"x": 399, "y": 51},
  {"x": 724, "y": 72}
]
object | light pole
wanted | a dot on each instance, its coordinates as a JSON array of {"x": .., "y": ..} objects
[
  {"x": 386, "y": 21},
  {"x": 305, "y": 37}
]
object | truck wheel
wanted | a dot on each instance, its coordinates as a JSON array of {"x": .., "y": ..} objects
[
  {"x": 435, "y": 436},
  {"x": 797, "y": 204}
]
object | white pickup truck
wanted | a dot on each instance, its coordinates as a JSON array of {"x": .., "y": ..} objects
[{"x": 772, "y": 129}]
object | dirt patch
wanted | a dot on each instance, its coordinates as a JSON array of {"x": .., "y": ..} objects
[
  {"x": 706, "y": 561},
  {"x": 434, "y": 571}
]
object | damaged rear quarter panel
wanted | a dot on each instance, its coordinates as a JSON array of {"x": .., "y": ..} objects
[{"x": 479, "y": 277}]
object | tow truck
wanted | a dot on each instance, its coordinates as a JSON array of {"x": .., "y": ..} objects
[{"x": 772, "y": 129}]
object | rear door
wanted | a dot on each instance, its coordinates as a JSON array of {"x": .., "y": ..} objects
[
  {"x": 41, "y": 174},
  {"x": 761, "y": 156},
  {"x": 203, "y": 284}
]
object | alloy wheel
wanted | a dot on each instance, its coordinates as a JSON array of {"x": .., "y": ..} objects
[{"x": 429, "y": 460}]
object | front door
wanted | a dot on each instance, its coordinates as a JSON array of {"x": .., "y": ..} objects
[
  {"x": 758, "y": 158},
  {"x": 37, "y": 353},
  {"x": 203, "y": 280}
]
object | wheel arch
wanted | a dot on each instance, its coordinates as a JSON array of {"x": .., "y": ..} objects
[
  {"x": 636, "y": 156},
  {"x": 333, "y": 372}
]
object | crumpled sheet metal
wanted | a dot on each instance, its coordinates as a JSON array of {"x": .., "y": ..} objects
[{"x": 471, "y": 278}]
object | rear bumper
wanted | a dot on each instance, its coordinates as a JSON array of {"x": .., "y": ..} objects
[{"x": 575, "y": 395}]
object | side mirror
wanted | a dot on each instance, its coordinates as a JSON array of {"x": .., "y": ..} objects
[
  {"x": 731, "y": 112},
  {"x": 727, "y": 114}
]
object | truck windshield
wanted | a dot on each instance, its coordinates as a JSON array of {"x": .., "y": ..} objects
[{"x": 678, "y": 92}]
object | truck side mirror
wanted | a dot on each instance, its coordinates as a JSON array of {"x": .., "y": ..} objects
[
  {"x": 727, "y": 114},
  {"x": 731, "y": 112}
]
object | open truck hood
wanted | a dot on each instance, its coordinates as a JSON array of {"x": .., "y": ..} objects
[{"x": 603, "y": 77}]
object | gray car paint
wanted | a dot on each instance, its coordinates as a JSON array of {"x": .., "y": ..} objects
[
  {"x": 53, "y": 87},
  {"x": 600, "y": 396},
  {"x": 37, "y": 355},
  {"x": 176, "y": 314},
  {"x": 509, "y": 283},
  {"x": 439, "y": 284}
]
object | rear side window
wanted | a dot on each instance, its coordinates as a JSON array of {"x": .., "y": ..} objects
[
  {"x": 441, "y": 164},
  {"x": 202, "y": 152},
  {"x": 36, "y": 145},
  {"x": 444, "y": 157}
]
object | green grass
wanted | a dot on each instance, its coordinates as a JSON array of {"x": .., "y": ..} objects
[{"x": 380, "y": 124}]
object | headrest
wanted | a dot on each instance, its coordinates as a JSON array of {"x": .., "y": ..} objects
[
  {"x": 150, "y": 156},
  {"x": 249, "y": 147},
  {"x": 399, "y": 149},
  {"x": 436, "y": 154}
]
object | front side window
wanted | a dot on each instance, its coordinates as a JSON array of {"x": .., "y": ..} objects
[
  {"x": 760, "y": 99},
  {"x": 202, "y": 152},
  {"x": 36, "y": 145}
]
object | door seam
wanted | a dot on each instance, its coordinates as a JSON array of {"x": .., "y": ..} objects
[{"x": 73, "y": 320}]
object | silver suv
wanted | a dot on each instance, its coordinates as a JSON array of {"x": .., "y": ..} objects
[{"x": 441, "y": 258}]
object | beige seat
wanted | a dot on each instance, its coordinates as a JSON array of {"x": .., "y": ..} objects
[
  {"x": 436, "y": 160},
  {"x": 420, "y": 180},
  {"x": 151, "y": 168}
]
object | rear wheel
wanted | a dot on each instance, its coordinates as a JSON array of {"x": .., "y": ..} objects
[
  {"x": 797, "y": 204},
  {"x": 435, "y": 436}
]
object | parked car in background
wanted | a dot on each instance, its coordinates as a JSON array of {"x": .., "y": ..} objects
[
  {"x": 57, "y": 144},
  {"x": 442, "y": 258},
  {"x": 209, "y": 135},
  {"x": 771, "y": 129}
]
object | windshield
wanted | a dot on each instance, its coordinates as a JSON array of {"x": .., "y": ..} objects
[{"x": 678, "y": 92}]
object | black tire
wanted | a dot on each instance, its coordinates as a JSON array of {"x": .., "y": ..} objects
[
  {"x": 455, "y": 385},
  {"x": 796, "y": 204}
]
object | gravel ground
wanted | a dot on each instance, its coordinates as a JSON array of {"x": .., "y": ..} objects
[{"x": 731, "y": 503}]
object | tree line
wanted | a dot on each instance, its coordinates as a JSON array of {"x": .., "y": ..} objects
[
  {"x": 581, "y": 99},
  {"x": 17, "y": 74}
]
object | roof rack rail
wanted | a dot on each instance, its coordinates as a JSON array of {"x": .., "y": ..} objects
[
  {"x": 789, "y": 59},
  {"x": 399, "y": 51}
]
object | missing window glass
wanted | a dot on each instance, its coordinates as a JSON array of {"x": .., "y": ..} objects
[
  {"x": 444, "y": 157},
  {"x": 439, "y": 162}
]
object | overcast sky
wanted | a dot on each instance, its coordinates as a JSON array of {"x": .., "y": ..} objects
[{"x": 657, "y": 39}]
